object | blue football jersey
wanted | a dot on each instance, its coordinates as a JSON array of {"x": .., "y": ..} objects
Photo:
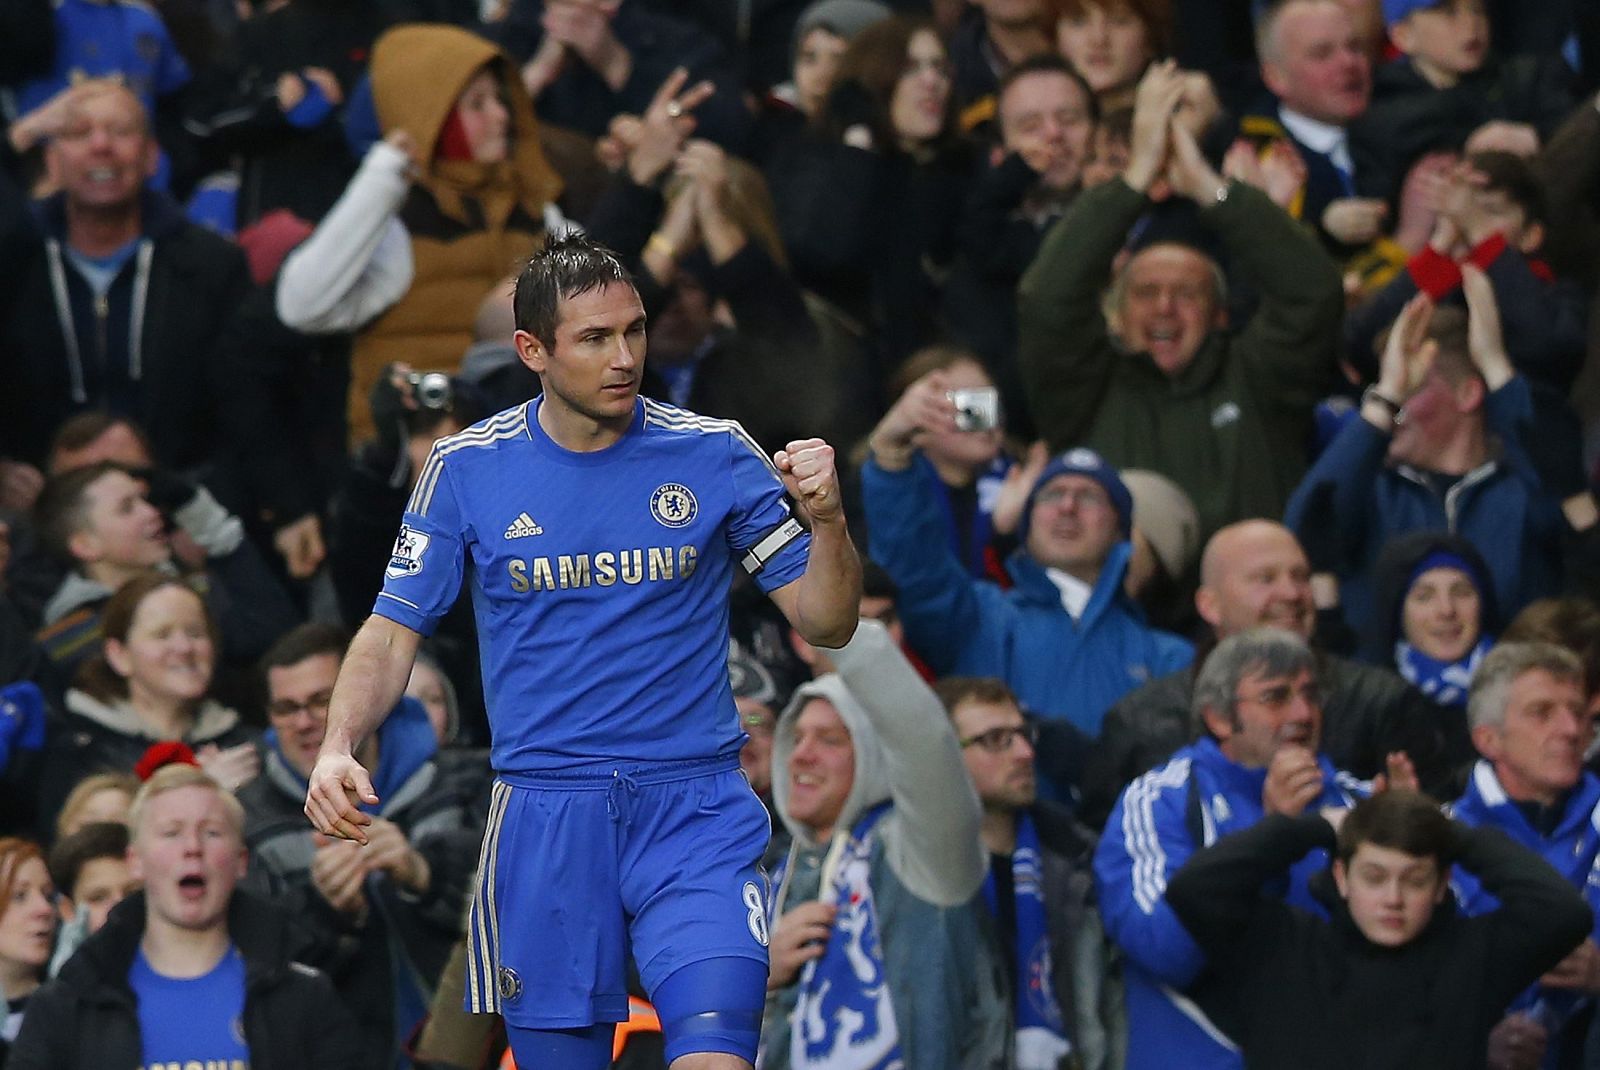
[{"x": 599, "y": 580}]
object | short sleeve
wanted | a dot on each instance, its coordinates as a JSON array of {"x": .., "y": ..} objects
[
  {"x": 423, "y": 576},
  {"x": 769, "y": 543}
]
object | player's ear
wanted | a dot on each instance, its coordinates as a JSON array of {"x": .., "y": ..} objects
[{"x": 531, "y": 351}]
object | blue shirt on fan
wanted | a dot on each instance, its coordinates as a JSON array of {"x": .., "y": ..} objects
[
  {"x": 599, "y": 580},
  {"x": 191, "y": 1021}
]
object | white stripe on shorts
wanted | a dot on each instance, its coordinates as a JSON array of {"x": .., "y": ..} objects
[{"x": 483, "y": 923}]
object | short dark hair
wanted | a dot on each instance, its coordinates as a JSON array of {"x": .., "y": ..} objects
[
  {"x": 84, "y": 428},
  {"x": 1048, "y": 63},
  {"x": 305, "y": 641},
  {"x": 62, "y": 509},
  {"x": 1405, "y": 821},
  {"x": 98, "y": 839},
  {"x": 954, "y": 690},
  {"x": 566, "y": 267},
  {"x": 876, "y": 583},
  {"x": 1572, "y": 622},
  {"x": 1510, "y": 174}
]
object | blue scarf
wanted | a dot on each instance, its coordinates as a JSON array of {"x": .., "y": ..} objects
[
  {"x": 843, "y": 1019},
  {"x": 1041, "y": 1039},
  {"x": 1446, "y": 682}
]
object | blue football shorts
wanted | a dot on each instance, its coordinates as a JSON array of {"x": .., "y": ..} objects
[{"x": 579, "y": 868}]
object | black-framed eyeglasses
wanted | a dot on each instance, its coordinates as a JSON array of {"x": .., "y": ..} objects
[
  {"x": 316, "y": 705},
  {"x": 999, "y": 740}
]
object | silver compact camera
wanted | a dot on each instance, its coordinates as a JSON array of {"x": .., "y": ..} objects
[
  {"x": 432, "y": 390},
  {"x": 977, "y": 409}
]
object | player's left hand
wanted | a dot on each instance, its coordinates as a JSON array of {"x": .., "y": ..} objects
[{"x": 810, "y": 477}]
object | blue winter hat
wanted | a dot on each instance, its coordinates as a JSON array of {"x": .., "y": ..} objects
[
  {"x": 1082, "y": 462},
  {"x": 1398, "y": 10}
]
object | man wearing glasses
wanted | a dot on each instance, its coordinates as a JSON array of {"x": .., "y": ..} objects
[
  {"x": 1259, "y": 708},
  {"x": 1038, "y": 890},
  {"x": 395, "y": 907}
]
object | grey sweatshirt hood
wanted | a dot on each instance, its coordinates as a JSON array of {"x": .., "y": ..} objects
[
  {"x": 211, "y": 720},
  {"x": 75, "y": 591},
  {"x": 871, "y": 785}
]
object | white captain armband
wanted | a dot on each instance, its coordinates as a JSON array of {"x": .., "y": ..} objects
[{"x": 768, "y": 548}]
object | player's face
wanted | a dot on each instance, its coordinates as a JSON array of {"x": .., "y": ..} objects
[
  {"x": 594, "y": 367},
  {"x": 822, "y": 767},
  {"x": 297, "y": 704},
  {"x": 189, "y": 856},
  {"x": 1391, "y": 894}
]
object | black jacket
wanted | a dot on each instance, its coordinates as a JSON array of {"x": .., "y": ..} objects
[
  {"x": 1367, "y": 712},
  {"x": 1297, "y": 991},
  {"x": 149, "y": 351},
  {"x": 88, "y": 1019}
]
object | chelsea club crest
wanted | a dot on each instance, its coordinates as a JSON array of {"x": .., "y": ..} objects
[{"x": 673, "y": 505}]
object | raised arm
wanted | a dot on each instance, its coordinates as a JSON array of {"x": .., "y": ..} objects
[
  {"x": 371, "y": 681},
  {"x": 825, "y": 602},
  {"x": 937, "y": 851}
]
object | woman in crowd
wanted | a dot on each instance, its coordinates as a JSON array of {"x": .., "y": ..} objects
[
  {"x": 97, "y": 797},
  {"x": 1111, "y": 42},
  {"x": 480, "y": 201},
  {"x": 1435, "y": 599},
  {"x": 151, "y": 684},
  {"x": 27, "y": 931},
  {"x": 869, "y": 203}
]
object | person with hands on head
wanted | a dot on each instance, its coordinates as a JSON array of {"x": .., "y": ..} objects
[
  {"x": 1532, "y": 724},
  {"x": 1386, "y": 974},
  {"x": 592, "y": 747},
  {"x": 1148, "y": 377},
  {"x": 1259, "y": 704},
  {"x": 1439, "y": 445}
]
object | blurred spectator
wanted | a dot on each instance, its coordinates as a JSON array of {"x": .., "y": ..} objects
[
  {"x": 991, "y": 39},
  {"x": 97, "y": 798},
  {"x": 430, "y": 687},
  {"x": 1571, "y": 622},
  {"x": 90, "y": 872},
  {"x": 1434, "y": 619},
  {"x": 1447, "y": 82},
  {"x": 27, "y": 928},
  {"x": 869, "y": 204},
  {"x": 1309, "y": 153},
  {"x": 268, "y": 107},
  {"x": 190, "y": 970},
  {"x": 1259, "y": 704},
  {"x": 1046, "y": 116},
  {"x": 1150, "y": 379},
  {"x": 151, "y": 682},
  {"x": 113, "y": 300},
  {"x": 1039, "y": 890},
  {"x": 1067, "y": 639},
  {"x": 119, "y": 41},
  {"x": 99, "y": 521},
  {"x": 1166, "y": 551},
  {"x": 1438, "y": 446},
  {"x": 1348, "y": 991},
  {"x": 1111, "y": 43},
  {"x": 392, "y": 907},
  {"x": 822, "y": 33},
  {"x": 873, "y": 922},
  {"x": 1254, "y": 574},
  {"x": 963, "y": 465},
  {"x": 1530, "y": 721},
  {"x": 480, "y": 200}
]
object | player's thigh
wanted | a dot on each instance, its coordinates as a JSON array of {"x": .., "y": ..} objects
[
  {"x": 547, "y": 935},
  {"x": 691, "y": 875},
  {"x": 712, "y": 1009}
]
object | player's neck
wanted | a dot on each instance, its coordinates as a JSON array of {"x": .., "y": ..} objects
[
  {"x": 173, "y": 951},
  {"x": 579, "y": 432}
]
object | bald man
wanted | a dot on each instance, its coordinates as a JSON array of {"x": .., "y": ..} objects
[
  {"x": 1150, "y": 378},
  {"x": 1254, "y": 573}
]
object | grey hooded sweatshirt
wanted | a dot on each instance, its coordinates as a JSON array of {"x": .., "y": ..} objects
[{"x": 927, "y": 861}]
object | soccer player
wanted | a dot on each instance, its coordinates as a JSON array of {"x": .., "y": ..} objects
[{"x": 599, "y": 532}]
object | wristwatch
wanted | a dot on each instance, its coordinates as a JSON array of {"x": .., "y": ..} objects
[{"x": 1372, "y": 393}]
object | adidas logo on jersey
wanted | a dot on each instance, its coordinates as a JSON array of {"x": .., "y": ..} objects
[{"x": 522, "y": 527}]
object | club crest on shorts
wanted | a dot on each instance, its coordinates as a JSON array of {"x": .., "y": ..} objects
[
  {"x": 673, "y": 505},
  {"x": 509, "y": 984},
  {"x": 406, "y": 557}
]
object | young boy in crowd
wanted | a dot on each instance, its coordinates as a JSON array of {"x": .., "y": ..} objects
[
  {"x": 1394, "y": 978},
  {"x": 90, "y": 871}
]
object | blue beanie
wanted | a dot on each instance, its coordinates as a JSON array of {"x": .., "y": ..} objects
[
  {"x": 1082, "y": 462},
  {"x": 1399, "y": 10}
]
